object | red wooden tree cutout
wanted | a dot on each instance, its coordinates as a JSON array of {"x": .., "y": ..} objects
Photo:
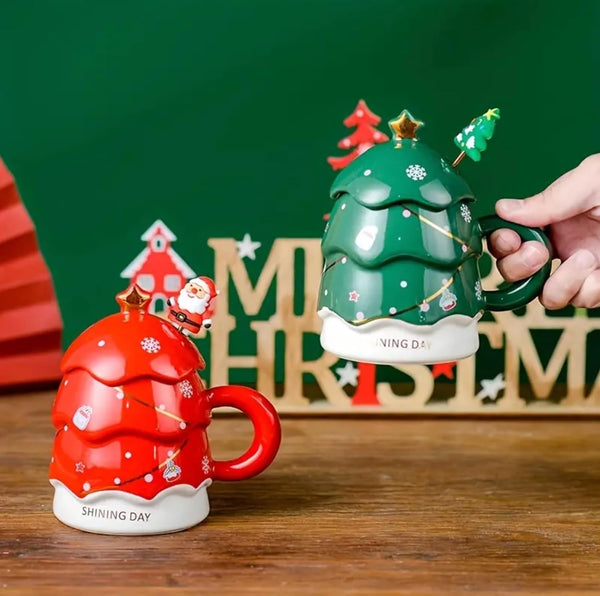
[
  {"x": 363, "y": 138},
  {"x": 30, "y": 322}
]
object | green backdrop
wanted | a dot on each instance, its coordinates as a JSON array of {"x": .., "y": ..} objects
[{"x": 218, "y": 116}]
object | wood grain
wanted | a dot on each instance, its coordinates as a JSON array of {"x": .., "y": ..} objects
[{"x": 361, "y": 506}]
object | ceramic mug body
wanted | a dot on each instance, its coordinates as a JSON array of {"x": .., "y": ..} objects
[
  {"x": 112, "y": 478},
  {"x": 422, "y": 307}
]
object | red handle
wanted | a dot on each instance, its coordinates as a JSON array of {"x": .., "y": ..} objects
[{"x": 267, "y": 431}]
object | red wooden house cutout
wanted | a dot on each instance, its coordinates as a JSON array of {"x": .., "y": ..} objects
[{"x": 158, "y": 269}]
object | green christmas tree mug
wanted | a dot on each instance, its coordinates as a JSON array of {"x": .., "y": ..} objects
[{"x": 401, "y": 280}]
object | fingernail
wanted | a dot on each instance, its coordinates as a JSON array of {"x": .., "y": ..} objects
[
  {"x": 533, "y": 256},
  {"x": 585, "y": 259},
  {"x": 508, "y": 242},
  {"x": 510, "y": 205}
]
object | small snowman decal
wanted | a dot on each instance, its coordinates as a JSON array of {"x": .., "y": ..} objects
[
  {"x": 172, "y": 471},
  {"x": 448, "y": 300},
  {"x": 366, "y": 237},
  {"x": 82, "y": 416}
]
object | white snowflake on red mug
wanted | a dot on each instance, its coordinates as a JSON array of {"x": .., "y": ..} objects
[
  {"x": 206, "y": 464},
  {"x": 186, "y": 388},
  {"x": 150, "y": 345}
]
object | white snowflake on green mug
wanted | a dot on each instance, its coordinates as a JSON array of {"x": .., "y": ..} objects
[
  {"x": 478, "y": 291},
  {"x": 416, "y": 172},
  {"x": 465, "y": 213}
]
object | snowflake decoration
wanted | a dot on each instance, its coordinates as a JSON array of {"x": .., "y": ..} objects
[
  {"x": 186, "y": 389},
  {"x": 465, "y": 213},
  {"x": 150, "y": 345},
  {"x": 206, "y": 464},
  {"x": 416, "y": 172},
  {"x": 478, "y": 290},
  {"x": 444, "y": 165}
]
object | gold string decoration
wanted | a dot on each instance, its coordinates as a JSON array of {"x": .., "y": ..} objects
[{"x": 428, "y": 299}]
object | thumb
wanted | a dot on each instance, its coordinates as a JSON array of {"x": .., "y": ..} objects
[{"x": 573, "y": 193}]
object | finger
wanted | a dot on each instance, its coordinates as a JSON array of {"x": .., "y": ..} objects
[
  {"x": 523, "y": 263},
  {"x": 568, "y": 279},
  {"x": 504, "y": 242},
  {"x": 573, "y": 193},
  {"x": 589, "y": 293}
]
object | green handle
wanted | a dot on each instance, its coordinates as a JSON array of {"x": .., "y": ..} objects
[{"x": 521, "y": 292}]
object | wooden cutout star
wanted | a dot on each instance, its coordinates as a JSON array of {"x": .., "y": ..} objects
[
  {"x": 133, "y": 298},
  {"x": 247, "y": 247},
  {"x": 405, "y": 126},
  {"x": 443, "y": 369},
  {"x": 348, "y": 375},
  {"x": 491, "y": 387}
]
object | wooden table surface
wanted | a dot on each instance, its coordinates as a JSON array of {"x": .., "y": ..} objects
[{"x": 362, "y": 506}]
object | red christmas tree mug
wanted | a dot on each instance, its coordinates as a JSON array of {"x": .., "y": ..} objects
[{"x": 131, "y": 454}]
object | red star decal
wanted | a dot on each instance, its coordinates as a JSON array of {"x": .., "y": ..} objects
[
  {"x": 353, "y": 296},
  {"x": 444, "y": 369}
]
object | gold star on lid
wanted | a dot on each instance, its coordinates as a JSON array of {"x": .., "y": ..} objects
[
  {"x": 405, "y": 126},
  {"x": 133, "y": 298}
]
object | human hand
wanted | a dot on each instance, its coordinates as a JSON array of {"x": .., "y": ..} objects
[{"x": 569, "y": 212}]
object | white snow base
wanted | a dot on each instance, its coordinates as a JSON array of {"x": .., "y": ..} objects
[
  {"x": 392, "y": 341},
  {"x": 116, "y": 512}
]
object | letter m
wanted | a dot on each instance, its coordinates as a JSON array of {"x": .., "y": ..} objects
[{"x": 279, "y": 267}]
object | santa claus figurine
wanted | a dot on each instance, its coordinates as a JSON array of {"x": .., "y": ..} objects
[{"x": 194, "y": 306}]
